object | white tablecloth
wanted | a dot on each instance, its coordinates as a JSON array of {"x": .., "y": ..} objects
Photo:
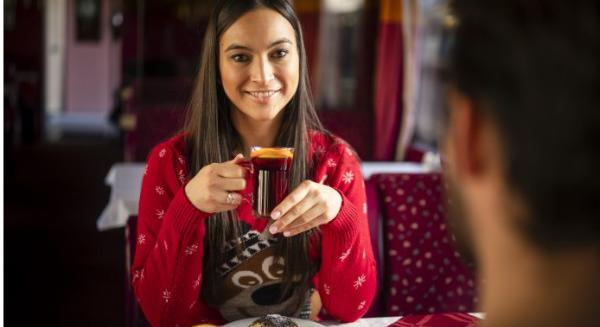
[
  {"x": 125, "y": 180},
  {"x": 381, "y": 321},
  {"x": 365, "y": 322}
]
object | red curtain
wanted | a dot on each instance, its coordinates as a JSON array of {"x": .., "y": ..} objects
[
  {"x": 308, "y": 13},
  {"x": 389, "y": 77}
]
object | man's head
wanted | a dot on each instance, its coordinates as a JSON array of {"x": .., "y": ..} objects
[{"x": 523, "y": 133}]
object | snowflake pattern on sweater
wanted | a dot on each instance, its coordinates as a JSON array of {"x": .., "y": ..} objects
[{"x": 167, "y": 281}]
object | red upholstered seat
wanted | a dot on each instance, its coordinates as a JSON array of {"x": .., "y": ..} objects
[
  {"x": 154, "y": 125},
  {"x": 423, "y": 272},
  {"x": 374, "y": 216},
  {"x": 159, "y": 109}
]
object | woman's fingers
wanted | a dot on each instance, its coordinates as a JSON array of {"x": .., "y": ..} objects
[
  {"x": 230, "y": 170},
  {"x": 224, "y": 198},
  {"x": 230, "y": 184},
  {"x": 228, "y": 177},
  {"x": 290, "y": 201},
  {"x": 312, "y": 213},
  {"x": 309, "y": 205},
  {"x": 208, "y": 189},
  {"x": 320, "y": 220},
  {"x": 295, "y": 212}
]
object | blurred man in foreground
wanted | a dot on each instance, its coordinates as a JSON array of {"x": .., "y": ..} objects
[{"x": 523, "y": 156}]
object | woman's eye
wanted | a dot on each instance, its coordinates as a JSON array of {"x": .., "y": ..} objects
[
  {"x": 240, "y": 58},
  {"x": 280, "y": 53}
]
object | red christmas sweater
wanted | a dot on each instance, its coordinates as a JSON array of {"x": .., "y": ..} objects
[{"x": 167, "y": 269}]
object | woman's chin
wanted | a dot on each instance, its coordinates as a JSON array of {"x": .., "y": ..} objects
[
  {"x": 262, "y": 114},
  {"x": 264, "y": 118}
]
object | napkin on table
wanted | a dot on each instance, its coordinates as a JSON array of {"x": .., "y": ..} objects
[{"x": 437, "y": 320}]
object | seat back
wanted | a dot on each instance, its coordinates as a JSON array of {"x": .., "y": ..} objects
[
  {"x": 375, "y": 229},
  {"x": 423, "y": 272}
]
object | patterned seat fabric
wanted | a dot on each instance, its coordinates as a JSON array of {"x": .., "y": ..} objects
[{"x": 423, "y": 272}]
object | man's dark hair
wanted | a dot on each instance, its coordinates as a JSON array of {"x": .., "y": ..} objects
[{"x": 533, "y": 67}]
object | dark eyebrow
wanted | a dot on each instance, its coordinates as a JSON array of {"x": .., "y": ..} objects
[{"x": 235, "y": 46}]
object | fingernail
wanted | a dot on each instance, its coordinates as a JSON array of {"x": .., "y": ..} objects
[
  {"x": 275, "y": 214},
  {"x": 286, "y": 234},
  {"x": 273, "y": 229}
]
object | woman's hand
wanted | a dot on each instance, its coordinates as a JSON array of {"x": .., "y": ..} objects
[
  {"x": 214, "y": 188},
  {"x": 309, "y": 205}
]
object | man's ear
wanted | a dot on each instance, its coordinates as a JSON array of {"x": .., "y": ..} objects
[{"x": 467, "y": 137}]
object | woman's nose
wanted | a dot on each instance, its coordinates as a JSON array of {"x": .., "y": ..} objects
[{"x": 261, "y": 71}]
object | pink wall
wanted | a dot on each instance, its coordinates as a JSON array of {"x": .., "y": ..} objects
[{"x": 93, "y": 70}]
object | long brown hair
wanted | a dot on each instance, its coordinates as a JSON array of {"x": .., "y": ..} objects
[{"x": 211, "y": 137}]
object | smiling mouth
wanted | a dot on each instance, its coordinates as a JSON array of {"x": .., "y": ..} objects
[{"x": 262, "y": 96}]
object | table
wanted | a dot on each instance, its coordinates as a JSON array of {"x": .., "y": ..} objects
[
  {"x": 125, "y": 180},
  {"x": 380, "y": 321},
  {"x": 365, "y": 322}
]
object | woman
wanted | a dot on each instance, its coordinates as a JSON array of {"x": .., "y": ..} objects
[{"x": 201, "y": 255}]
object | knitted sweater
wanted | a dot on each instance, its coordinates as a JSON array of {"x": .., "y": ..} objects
[{"x": 167, "y": 269}]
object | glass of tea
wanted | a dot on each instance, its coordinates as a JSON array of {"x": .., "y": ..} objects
[{"x": 272, "y": 168}]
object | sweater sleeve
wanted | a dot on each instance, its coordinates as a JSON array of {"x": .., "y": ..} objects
[
  {"x": 167, "y": 269},
  {"x": 348, "y": 275}
]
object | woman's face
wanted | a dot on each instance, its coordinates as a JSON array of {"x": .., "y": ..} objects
[{"x": 259, "y": 64}]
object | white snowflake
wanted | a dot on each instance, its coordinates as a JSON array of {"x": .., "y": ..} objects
[
  {"x": 191, "y": 249},
  {"x": 361, "y": 305},
  {"x": 319, "y": 150},
  {"x": 359, "y": 281},
  {"x": 166, "y": 295},
  {"x": 197, "y": 281},
  {"x": 181, "y": 176},
  {"x": 348, "y": 177},
  {"x": 162, "y": 153},
  {"x": 165, "y": 245},
  {"x": 349, "y": 152},
  {"x": 327, "y": 289},
  {"x": 181, "y": 160},
  {"x": 160, "y": 213},
  {"x": 141, "y": 239},
  {"x": 344, "y": 255},
  {"x": 136, "y": 276},
  {"x": 142, "y": 275},
  {"x": 331, "y": 163},
  {"x": 160, "y": 190}
]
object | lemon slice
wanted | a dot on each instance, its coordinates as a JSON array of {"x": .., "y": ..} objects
[{"x": 272, "y": 153}]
